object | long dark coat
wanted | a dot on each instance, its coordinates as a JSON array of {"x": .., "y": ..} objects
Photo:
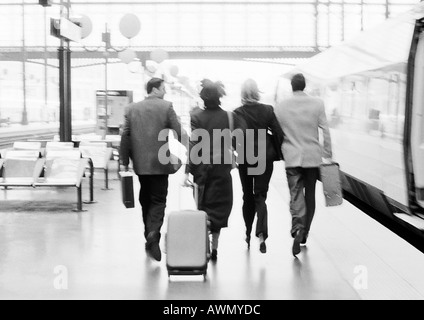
[{"x": 214, "y": 180}]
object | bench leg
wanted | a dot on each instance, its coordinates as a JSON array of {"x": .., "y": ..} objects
[
  {"x": 91, "y": 186},
  {"x": 79, "y": 201},
  {"x": 91, "y": 183},
  {"x": 106, "y": 179}
]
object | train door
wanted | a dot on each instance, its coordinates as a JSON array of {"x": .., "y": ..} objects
[{"x": 416, "y": 110}]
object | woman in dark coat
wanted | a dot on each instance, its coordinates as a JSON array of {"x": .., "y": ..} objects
[
  {"x": 213, "y": 173},
  {"x": 258, "y": 116}
]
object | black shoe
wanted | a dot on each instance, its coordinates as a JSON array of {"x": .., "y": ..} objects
[
  {"x": 154, "y": 251},
  {"x": 152, "y": 245},
  {"x": 248, "y": 242},
  {"x": 214, "y": 255},
  {"x": 305, "y": 237},
  {"x": 296, "y": 242},
  {"x": 262, "y": 247}
]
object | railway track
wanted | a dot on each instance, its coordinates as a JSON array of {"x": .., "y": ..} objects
[{"x": 9, "y": 136}]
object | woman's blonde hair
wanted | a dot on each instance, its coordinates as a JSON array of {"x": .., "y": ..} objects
[{"x": 250, "y": 92}]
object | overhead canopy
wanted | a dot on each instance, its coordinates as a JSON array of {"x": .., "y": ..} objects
[{"x": 385, "y": 45}]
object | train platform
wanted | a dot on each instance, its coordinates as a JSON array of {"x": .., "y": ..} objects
[{"x": 48, "y": 251}]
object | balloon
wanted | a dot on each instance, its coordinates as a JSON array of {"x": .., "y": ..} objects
[
  {"x": 151, "y": 66},
  {"x": 173, "y": 70},
  {"x": 135, "y": 67},
  {"x": 127, "y": 55},
  {"x": 158, "y": 55},
  {"x": 86, "y": 25},
  {"x": 129, "y": 25}
]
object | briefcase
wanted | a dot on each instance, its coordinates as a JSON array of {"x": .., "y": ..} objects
[
  {"x": 331, "y": 184},
  {"x": 127, "y": 188}
]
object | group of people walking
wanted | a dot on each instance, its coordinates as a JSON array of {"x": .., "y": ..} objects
[{"x": 289, "y": 131}]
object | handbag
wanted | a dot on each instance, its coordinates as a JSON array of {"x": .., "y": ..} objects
[
  {"x": 231, "y": 125},
  {"x": 127, "y": 188},
  {"x": 273, "y": 148}
]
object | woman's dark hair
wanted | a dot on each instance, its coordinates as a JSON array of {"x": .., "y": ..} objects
[
  {"x": 211, "y": 92},
  {"x": 153, "y": 83},
  {"x": 298, "y": 82}
]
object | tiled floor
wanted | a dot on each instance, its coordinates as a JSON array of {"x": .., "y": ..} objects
[{"x": 47, "y": 251}]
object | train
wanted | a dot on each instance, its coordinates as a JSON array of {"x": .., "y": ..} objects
[{"x": 373, "y": 90}]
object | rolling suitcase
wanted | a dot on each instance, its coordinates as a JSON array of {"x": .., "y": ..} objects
[
  {"x": 187, "y": 242},
  {"x": 331, "y": 184}
]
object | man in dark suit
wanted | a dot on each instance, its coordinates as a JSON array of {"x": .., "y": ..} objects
[
  {"x": 301, "y": 116},
  {"x": 144, "y": 123}
]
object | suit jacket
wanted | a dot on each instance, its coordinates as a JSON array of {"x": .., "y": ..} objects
[
  {"x": 261, "y": 116},
  {"x": 143, "y": 122},
  {"x": 301, "y": 117}
]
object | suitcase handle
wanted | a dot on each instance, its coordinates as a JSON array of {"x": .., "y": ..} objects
[{"x": 195, "y": 188}]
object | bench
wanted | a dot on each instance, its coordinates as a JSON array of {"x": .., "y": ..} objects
[
  {"x": 73, "y": 154},
  {"x": 64, "y": 172},
  {"x": 24, "y": 146},
  {"x": 21, "y": 172},
  {"x": 20, "y": 166},
  {"x": 58, "y": 169},
  {"x": 100, "y": 154},
  {"x": 58, "y": 146},
  {"x": 5, "y": 121}
]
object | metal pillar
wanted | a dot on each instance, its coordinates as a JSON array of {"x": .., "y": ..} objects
[
  {"x": 65, "y": 117},
  {"x": 106, "y": 39},
  {"x": 24, "y": 120},
  {"x": 65, "y": 110}
]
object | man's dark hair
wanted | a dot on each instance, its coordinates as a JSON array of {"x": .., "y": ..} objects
[
  {"x": 153, "y": 83},
  {"x": 298, "y": 82}
]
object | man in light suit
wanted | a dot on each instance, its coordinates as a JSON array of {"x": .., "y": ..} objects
[
  {"x": 140, "y": 142},
  {"x": 301, "y": 116}
]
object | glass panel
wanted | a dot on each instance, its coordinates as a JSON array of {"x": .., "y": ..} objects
[
  {"x": 374, "y": 1},
  {"x": 167, "y": 25},
  {"x": 11, "y": 93},
  {"x": 222, "y": 24},
  {"x": 395, "y": 10},
  {"x": 212, "y": 25},
  {"x": 322, "y": 31},
  {"x": 352, "y": 21},
  {"x": 257, "y": 28},
  {"x": 373, "y": 15},
  {"x": 280, "y": 27},
  {"x": 35, "y": 26},
  {"x": 303, "y": 25},
  {"x": 335, "y": 25},
  {"x": 189, "y": 25},
  {"x": 235, "y": 25},
  {"x": 11, "y": 26}
]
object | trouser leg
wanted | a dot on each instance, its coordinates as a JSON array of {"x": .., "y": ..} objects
[
  {"x": 261, "y": 186},
  {"x": 158, "y": 194},
  {"x": 310, "y": 178},
  {"x": 153, "y": 193},
  {"x": 248, "y": 198},
  {"x": 144, "y": 199},
  {"x": 297, "y": 199}
]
